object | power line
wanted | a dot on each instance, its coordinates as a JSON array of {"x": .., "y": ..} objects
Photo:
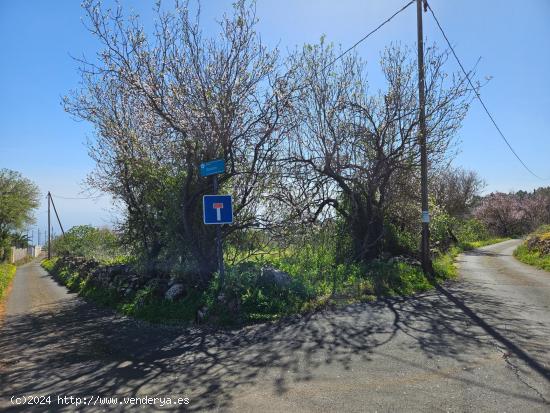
[
  {"x": 479, "y": 96},
  {"x": 69, "y": 197},
  {"x": 368, "y": 35}
]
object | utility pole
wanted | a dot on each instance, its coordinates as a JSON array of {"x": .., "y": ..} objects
[
  {"x": 425, "y": 247},
  {"x": 49, "y": 230}
]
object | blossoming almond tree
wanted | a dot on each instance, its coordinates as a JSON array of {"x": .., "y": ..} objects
[{"x": 164, "y": 102}]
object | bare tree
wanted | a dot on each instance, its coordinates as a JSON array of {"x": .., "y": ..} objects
[
  {"x": 350, "y": 149},
  {"x": 455, "y": 190},
  {"x": 164, "y": 103}
]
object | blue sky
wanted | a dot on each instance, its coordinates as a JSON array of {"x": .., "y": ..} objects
[{"x": 37, "y": 39}]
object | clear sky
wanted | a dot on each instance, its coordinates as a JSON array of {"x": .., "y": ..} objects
[{"x": 512, "y": 38}]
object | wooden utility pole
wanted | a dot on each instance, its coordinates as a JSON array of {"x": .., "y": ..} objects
[
  {"x": 49, "y": 230},
  {"x": 425, "y": 247}
]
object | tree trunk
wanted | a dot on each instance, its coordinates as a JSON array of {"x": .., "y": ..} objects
[{"x": 366, "y": 226}]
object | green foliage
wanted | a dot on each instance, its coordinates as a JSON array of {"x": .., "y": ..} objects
[
  {"x": 470, "y": 245},
  {"x": 441, "y": 228},
  {"x": 89, "y": 242},
  {"x": 18, "y": 198},
  {"x": 318, "y": 277},
  {"x": 444, "y": 264},
  {"x": 401, "y": 240},
  {"x": 397, "y": 278},
  {"x": 543, "y": 229},
  {"x": 534, "y": 258},
  {"x": 163, "y": 311},
  {"x": 536, "y": 249},
  {"x": 446, "y": 231},
  {"x": 258, "y": 299},
  {"x": 7, "y": 272},
  {"x": 471, "y": 230},
  {"x": 48, "y": 264}
]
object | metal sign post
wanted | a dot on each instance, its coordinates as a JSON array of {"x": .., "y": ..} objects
[
  {"x": 217, "y": 209},
  {"x": 219, "y": 246}
]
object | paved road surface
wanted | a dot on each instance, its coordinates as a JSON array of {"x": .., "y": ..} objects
[{"x": 481, "y": 344}]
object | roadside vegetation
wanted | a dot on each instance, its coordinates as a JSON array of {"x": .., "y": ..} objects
[
  {"x": 7, "y": 272},
  {"x": 323, "y": 171},
  {"x": 18, "y": 198},
  {"x": 536, "y": 249},
  {"x": 264, "y": 286}
]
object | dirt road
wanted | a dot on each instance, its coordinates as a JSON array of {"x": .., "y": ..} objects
[{"x": 480, "y": 344}]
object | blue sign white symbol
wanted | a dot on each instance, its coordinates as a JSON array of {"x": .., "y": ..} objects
[
  {"x": 213, "y": 167},
  {"x": 217, "y": 209}
]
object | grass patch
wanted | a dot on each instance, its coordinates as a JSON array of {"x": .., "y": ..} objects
[
  {"x": 48, "y": 264},
  {"x": 7, "y": 272},
  {"x": 388, "y": 279},
  {"x": 444, "y": 265},
  {"x": 470, "y": 245},
  {"x": 532, "y": 257},
  {"x": 144, "y": 306}
]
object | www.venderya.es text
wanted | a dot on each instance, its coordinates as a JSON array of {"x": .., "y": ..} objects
[{"x": 159, "y": 401}]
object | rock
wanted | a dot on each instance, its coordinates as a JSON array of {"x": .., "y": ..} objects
[
  {"x": 540, "y": 243},
  {"x": 119, "y": 269},
  {"x": 174, "y": 292},
  {"x": 156, "y": 286},
  {"x": 273, "y": 276},
  {"x": 406, "y": 260},
  {"x": 202, "y": 313}
]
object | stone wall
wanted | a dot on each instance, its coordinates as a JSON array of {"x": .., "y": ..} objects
[
  {"x": 18, "y": 254},
  {"x": 120, "y": 278}
]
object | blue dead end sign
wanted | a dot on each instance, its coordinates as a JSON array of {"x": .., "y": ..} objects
[{"x": 217, "y": 209}]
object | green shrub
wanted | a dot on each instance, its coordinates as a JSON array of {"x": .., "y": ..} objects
[
  {"x": 89, "y": 242},
  {"x": 444, "y": 264},
  {"x": 470, "y": 230},
  {"x": 396, "y": 278},
  {"x": 400, "y": 240},
  {"x": 255, "y": 298},
  {"x": 317, "y": 278},
  {"x": 7, "y": 272},
  {"x": 441, "y": 229},
  {"x": 536, "y": 249}
]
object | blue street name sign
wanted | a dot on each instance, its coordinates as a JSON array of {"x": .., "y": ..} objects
[
  {"x": 217, "y": 209},
  {"x": 214, "y": 167}
]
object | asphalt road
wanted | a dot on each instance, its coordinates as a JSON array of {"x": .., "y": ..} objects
[{"x": 479, "y": 344}]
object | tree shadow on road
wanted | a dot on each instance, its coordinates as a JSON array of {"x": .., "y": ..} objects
[{"x": 75, "y": 348}]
